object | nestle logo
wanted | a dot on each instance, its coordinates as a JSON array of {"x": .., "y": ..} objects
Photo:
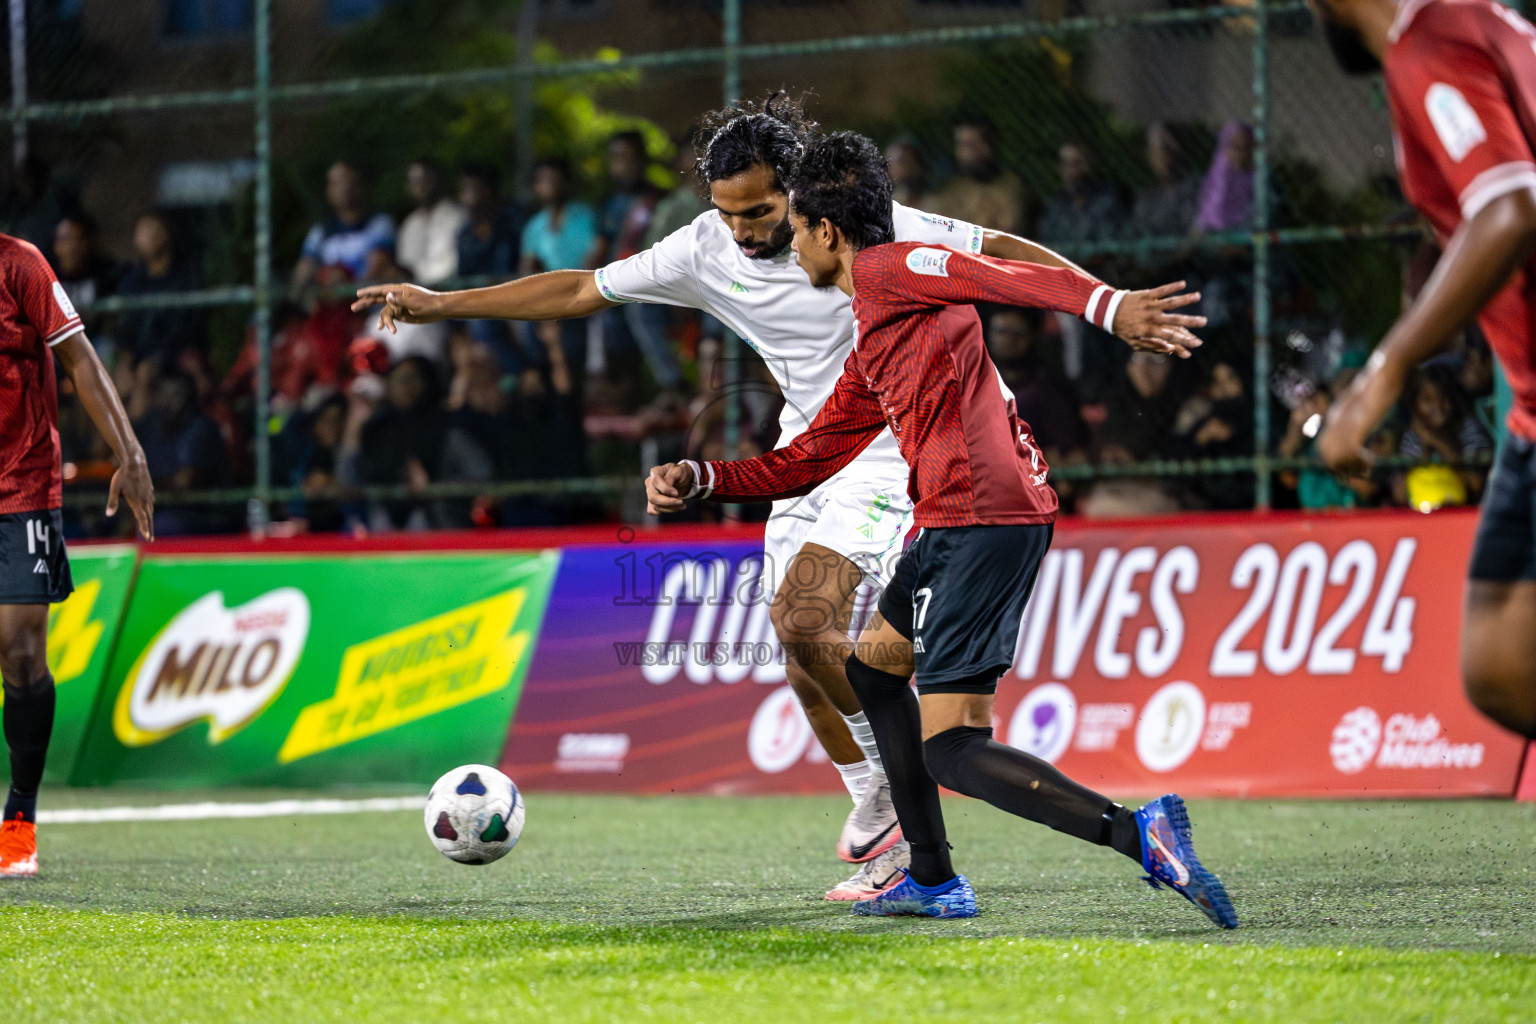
[
  {"x": 261, "y": 620},
  {"x": 592, "y": 752}
]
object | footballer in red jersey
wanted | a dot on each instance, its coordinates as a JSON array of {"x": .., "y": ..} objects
[
  {"x": 37, "y": 325},
  {"x": 1461, "y": 84},
  {"x": 952, "y": 609}
]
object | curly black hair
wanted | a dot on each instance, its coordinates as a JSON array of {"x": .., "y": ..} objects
[
  {"x": 844, "y": 178},
  {"x": 773, "y": 132}
]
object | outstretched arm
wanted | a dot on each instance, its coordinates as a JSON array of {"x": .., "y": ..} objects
[
  {"x": 557, "y": 295},
  {"x": 1003, "y": 246},
  {"x": 131, "y": 481},
  {"x": 1144, "y": 319},
  {"x": 850, "y": 419},
  {"x": 1478, "y": 260}
]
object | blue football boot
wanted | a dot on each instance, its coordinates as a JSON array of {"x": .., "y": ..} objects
[
  {"x": 1168, "y": 854},
  {"x": 954, "y": 898}
]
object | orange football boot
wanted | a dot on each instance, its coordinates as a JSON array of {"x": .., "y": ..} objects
[{"x": 18, "y": 849}]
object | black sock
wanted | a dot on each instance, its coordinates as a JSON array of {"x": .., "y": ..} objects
[
  {"x": 896, "y": 720},
  {"x": 969, "y": 761},
  {"x": 28, "y": 721},
  {"x": 1124, "y": 833}
]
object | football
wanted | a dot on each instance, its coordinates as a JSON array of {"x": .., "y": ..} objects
[{"x": 474, "y": 814}]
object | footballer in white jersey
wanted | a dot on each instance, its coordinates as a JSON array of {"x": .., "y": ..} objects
[
  {"x": 804, "y": 335},
  {"x": 823, "y": 550}
]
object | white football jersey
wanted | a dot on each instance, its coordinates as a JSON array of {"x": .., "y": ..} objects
[{"x": 803, "y": 333}]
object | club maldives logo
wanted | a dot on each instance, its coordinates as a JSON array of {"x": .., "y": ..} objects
[
  {"x": 1170, "y": 726},
  {"x": 1355, "y": 740},
  {"x": 1405, "y": 740},
  {"x": 1044, "y": 721},
  {"x": 225, "y": 665}
]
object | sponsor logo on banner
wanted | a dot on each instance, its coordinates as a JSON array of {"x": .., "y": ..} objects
[
  {"x": 72, "y": 633},
  {"x": 1099, "y": 725},
  {"x": 779, "y": 733},
  {"x": 1404, "y": 741},
  {"x": 592, "y": 752},
  {"x": 731, "y": 637},
  {"x": 225, "y": 665},
  {"x": 414, "y": 672},
  {"x": 1044, "y": 721},
  {"x": 1355, "y": 740},
  {"x": 1170, "y": 726}
]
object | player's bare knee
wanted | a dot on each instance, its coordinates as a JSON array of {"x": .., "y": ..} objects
[
  {"x": 804, "y": 636},
  {"x": 806, "y": 688},
  {"x": 23, "y": 663}
]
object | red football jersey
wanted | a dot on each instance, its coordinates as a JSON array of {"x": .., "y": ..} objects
[
  {"x": 1461, "y": 81},
  {"x": 35, "y": 315},
  {"x": 920, "y": 365}
]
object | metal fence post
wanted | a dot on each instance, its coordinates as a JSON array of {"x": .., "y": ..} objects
[
  {"x": 18, "y": 22},
  {"x": 731, "y": 355},
  {"x": 1261, "y": 256},
  {"x": 257, "y": 509},
  {"x": 522, "y": 95}
]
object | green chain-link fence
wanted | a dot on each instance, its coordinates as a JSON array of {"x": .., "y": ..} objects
[{"x": 1304, "y": 276}]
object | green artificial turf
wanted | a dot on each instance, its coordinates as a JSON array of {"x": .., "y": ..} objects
[{"x": 708, "y": 909}]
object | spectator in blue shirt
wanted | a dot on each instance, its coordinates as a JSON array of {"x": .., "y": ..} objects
[
  {"x": 353, "y": 237},
  {"x": 561, "y": 235}
]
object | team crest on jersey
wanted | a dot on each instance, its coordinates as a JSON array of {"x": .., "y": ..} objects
[
  {"x": 932, "y": 262},
  {"x": 1457, "y": 124}
]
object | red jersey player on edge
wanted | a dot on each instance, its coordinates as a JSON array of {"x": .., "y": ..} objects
[
  {"x": 1461, "y": 83},
  {"x": 37, "y": 323},
  {"x": 952, "y": 609}
]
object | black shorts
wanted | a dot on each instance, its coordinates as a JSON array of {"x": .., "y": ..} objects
[
  {"x": 958, "y": 594},
  {"x": 1505, "y": 548},
  {"x": 34, "y": 568}
]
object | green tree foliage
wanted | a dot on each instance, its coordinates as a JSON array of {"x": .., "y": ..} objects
[{"x": 383, "y": 135}]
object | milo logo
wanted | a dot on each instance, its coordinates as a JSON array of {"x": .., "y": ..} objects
[{"x": 225, "y": 665}]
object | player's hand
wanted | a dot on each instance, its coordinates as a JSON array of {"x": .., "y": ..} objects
[
  {"x": 131, "y": 481},
  {"x": 1147, "y": 322},
  {"x": 406, "y": 303},
  {"x": 1352, "y": 417},
  {"x": 665, "y": 487}
]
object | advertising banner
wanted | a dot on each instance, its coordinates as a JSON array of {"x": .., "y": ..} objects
[
  {"x": 659, "y": 672},
  {"x": 81, "y": 630},
  {"x": 315, "y": 670},
  {"x": 1237, "y": 656}
]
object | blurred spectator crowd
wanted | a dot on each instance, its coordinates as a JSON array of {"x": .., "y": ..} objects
[{"x": 475, "y": 404}]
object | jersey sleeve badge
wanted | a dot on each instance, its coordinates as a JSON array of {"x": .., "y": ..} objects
[{"x": 1455, "y": 122}]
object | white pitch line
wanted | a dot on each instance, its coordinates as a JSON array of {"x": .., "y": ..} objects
[{"x": 211, "y": 809}]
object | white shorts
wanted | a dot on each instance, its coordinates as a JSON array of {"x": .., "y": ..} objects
[{"x": 863, "y": 513}]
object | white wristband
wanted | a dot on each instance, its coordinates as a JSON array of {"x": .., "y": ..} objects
[
  {"x": 1110, "y": 309},
  {"x": 703, "y": 479}
]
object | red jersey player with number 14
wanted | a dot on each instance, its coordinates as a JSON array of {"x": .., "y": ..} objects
[
  {"x": 37, "y": 324},
  {"x": 920, "y": 366},
  {"x": 1461, "y": 83}
]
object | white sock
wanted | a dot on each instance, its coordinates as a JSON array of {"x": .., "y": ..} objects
[
  {"x": 855, "y": 777},
  {"x": 864, "y": 736}
]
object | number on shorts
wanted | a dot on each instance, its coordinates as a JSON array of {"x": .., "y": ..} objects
[{"x": 925, "y": 595}]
